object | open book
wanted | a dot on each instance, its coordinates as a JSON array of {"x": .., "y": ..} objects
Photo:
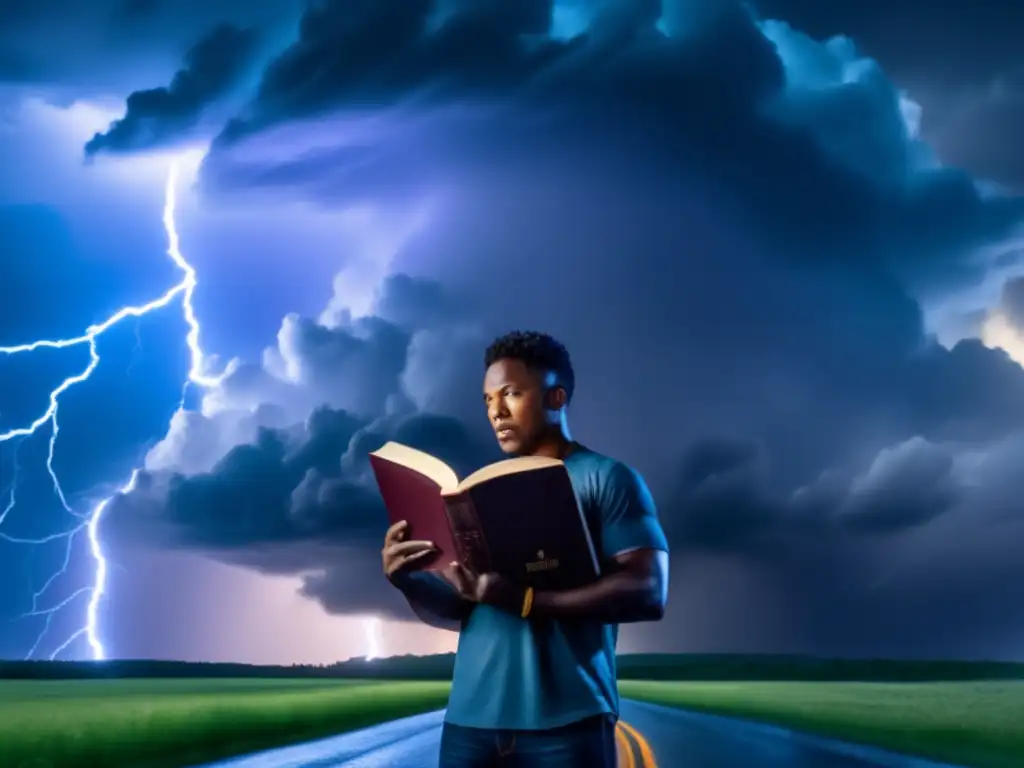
[{"x": 518, "y": 517}]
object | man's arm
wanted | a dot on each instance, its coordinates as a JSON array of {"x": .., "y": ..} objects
[
  {"x": 433, "y": 600},
  {"x": 636, "y": 590},
  {"x": 634, "y": 586}
]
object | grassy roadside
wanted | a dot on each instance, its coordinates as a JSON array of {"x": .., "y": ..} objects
[
  {"x": 978, "y": 724},
  {"x": 168, "y": 723},
  {"x": 173, "y": 723}
]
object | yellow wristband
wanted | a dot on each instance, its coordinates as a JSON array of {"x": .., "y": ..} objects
[{"x": 527, "y": 602}]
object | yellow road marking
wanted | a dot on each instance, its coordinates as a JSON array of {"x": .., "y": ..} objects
[
  {"x": 625, "y": 749},
  {"x": 646, "y": 753}
]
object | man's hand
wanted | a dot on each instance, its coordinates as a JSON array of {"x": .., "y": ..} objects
[
  {"x": 487, "y": 588},
  {"x": 398, "y": 555}
]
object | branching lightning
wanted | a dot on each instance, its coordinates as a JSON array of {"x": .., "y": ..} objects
[{"x": 89, "y": 522}]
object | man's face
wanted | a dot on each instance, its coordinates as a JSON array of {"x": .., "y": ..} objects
[{"x": 514, "y": 396}]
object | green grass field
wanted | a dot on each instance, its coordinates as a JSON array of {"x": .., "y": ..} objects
[
  {"x": 968, "y": 723},
  {"x": 173, "y": 723},
  {"x": 169, "y": 723}
]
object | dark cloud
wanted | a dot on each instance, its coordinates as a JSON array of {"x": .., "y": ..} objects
[
  {"x": 962, "y": 65},
  {"x": 158, "y": 116},
  {"x": 730, "y": 227},
  {"x": 724, "y": 501},
  {"x": 263, "y": 490},
  {"x": 349, "y": 52},
  {"x": 721, "y": 501},
  {"x": 821, "y": 156},
  {"x": 350, "y": 57},
  {"x": 298, "y": 501},
  {"x": 289, "y": 486},
  {"x": 905, "y": 486},
  {"x": 967, "y": 41}
]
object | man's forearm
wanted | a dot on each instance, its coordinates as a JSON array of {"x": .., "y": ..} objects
[
  {"x": 433, "y": 600},
  {"x": 618, "y": 598}
]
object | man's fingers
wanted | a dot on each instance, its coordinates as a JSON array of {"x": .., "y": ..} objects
[
  {"x": 395, "y": 532},
  {"x": 405, "y": 548},
  {"x": 393, "y": 564},
  {"x": 397, "y": 555},
  {"x": 404, "y": 559}
]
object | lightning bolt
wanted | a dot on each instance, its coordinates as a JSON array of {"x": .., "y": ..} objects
[
  {"x": 90, "y": 522},
  {"x": 372, "y": 635}
]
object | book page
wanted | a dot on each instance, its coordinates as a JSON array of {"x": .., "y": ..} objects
[
  {"x": 418, "y": 461},
  {"x": 507, "y": 467}
]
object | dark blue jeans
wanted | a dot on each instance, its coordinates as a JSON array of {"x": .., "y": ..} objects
[{"x": 589, "y": 743}]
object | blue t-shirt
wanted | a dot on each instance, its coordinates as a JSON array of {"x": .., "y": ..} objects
[{"x": 520, "y": 674}]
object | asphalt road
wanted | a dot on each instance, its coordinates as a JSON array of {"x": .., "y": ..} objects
[{"x": 649, "y": 737}]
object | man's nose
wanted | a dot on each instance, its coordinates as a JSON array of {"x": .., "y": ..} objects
[{"x": 498, "y": 410}]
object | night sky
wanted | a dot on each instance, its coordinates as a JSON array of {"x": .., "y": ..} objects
[{"x": 782, "y": 243}]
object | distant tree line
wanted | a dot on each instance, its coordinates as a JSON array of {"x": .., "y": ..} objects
[
  {"x": 809, "y": 668},
  {"x": 437, "y": 667},
  {"x": 631, "y": 667}
]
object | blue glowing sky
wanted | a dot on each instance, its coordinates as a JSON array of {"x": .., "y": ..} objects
[{"x": 783, "y": 250}]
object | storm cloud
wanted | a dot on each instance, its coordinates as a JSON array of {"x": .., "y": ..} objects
[
  {"x": 71, "y": 50},
  {"x": 963, "y": 66},
  {"x": 158, "y": 115},
  {"x": 732, "y": 226},
  {"x": 274, "y": 475}
]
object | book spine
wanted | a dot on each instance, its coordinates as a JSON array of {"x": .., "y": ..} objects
[{"x": 468, "y": 533}]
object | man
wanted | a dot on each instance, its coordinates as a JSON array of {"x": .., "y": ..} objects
[{"x": 534, "y": 680}]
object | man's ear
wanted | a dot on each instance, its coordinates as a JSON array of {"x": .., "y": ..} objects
[{"x": 557, "y": 398}]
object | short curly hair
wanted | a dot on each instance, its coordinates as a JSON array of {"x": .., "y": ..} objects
[{"x": 538, "y": 351}]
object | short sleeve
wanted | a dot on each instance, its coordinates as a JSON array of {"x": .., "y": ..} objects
[
  {"x": 629, "y": 519},
  {"x": 432, "y": 592}
]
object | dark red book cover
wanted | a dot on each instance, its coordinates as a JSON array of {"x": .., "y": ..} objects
[{"x": 415, "y": 498}]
